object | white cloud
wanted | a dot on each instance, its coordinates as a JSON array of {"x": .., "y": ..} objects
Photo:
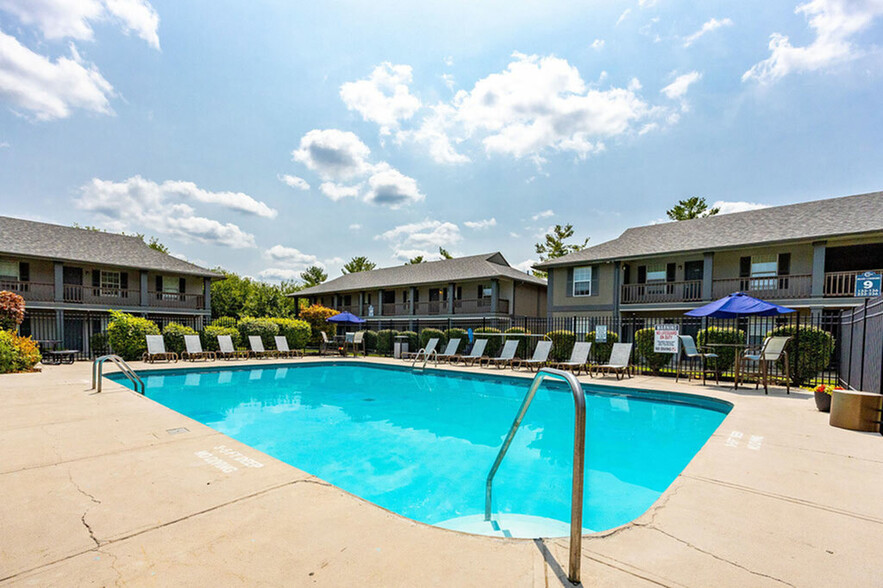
[
  {"x": 50, "y": 90},
  {"x": 738, "y": 206},
  {"x": 280, "y": 274},
  {"x": 623, "y": 16},
  {"x": 389, "y": 187},
  {"x": 678, "y": 88},
  {"x": 711, "y": 25},
  {"x": 433, "y": 134},
  {"x": 137, "y": 203},
  {"x": 232, "y": 200},
  {"x": 384, "y": 97},
  {"x": 291, "y": 257},
  {"x": 448, "y": 79},
  {"x": 834, "y": 22},
  {"x": 137, "y": 16},
  {"x": 294, "y": 181},
  {"x": 4, "y": 144},
  {"x": 526, "y": 266},
  {"x": 333, "y": 154},
  {"x": 598, "y": 44},
  {"x": 543, "y": 214},
  {"x": 423, "y": 238},
  {"x": 481, "y": 224},
  {"x": 355, "y": 227},
  {"x": 646, "y": 3},
  {"x": 339, "y": 191}
]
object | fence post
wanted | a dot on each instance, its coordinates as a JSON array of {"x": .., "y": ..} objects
[{"x": 861, "y": 378}]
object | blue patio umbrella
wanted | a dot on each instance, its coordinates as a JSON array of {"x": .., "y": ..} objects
[
  {"x": 345, "y": 318},
  {"x": 739, "y": 304}
]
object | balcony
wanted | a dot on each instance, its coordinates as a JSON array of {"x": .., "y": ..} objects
[
  {"x": 96, "y": 296},
  {"x": 30, "y": 291},
  {"x": 793, "y": 286},
  {"x": 176, "y": 300},
  {"x": 103, "y": 296},
  {"x": 431, "y": 308},
  {"x": 689, "y": 291},
  {"x": 842, "y": 283}
]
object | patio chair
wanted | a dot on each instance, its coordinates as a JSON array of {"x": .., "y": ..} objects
[
  {"x": 507, "y": 354},
  {"x": 579, "y": 359},
  {"x": 194, "y": 349},
  {"x": 475, "y": 355},
  {"x": 430, "y": 347},
  {"x": 539, "y": 359},
  {"x": 257, "y": 348},
  {"x": 450, "y": 351},
  {"x": 282, "y": 349},
  {"x": 688, "y": 349},
  {"x": 326, "y": 344},
  {"x": 226, "y": 349},
  {"x": 620, "y": 361},
  {"x": 773, "y": 349},
  {"x": 356, "y": 342},
  {"x": 156, "y": 350}
]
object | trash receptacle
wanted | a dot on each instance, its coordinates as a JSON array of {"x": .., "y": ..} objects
[{"x": 400, "y": 346}]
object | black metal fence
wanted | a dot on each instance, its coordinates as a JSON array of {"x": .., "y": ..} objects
[{"x": 861, "y": 348}]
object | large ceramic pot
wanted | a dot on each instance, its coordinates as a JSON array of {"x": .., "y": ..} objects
[{"x": 823, "y": 401}]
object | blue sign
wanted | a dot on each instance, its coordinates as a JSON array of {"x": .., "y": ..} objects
[{"x": 867, "y": 285}]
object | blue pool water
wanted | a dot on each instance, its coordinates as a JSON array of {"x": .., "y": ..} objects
[{"x": 421, "y": 444}]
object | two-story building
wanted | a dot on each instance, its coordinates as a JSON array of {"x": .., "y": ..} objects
[
  {"x": 71, "y": 277},
  {"x": 462, "y": 288},
  {"x": 805, "y": 256}
]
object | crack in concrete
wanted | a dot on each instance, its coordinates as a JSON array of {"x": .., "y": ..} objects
[{"x": 85, "y": 512}]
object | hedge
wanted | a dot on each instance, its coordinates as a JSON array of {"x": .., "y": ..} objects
[
  {"x": 265, "y": 328},
  {"x": 460, "y": 334},
  {"x": 562, "y": 344},
  {"x": 371, "y": 340},
  {"x": 210, "y": 334},
  {"x": 809, "y": 351},
  {"x": 224, "y": 321},
  {"x": 17, "y": 354},
  {"x": 427, "y": 334},
  {"x": 99, "y": 344},
  {"x": 413, "y": 340},
  {"x": 517, "y": 334},
  {"x": 644, "y": 346},
  {"x": 601, "y": 351},
  {"x": 127, "y": 334},
  {"x": 726, "y": 355},
  {"x": 295, "y": 331},
  {"x": 385, "y": 339},
  {"x": 173, "y": 335}
]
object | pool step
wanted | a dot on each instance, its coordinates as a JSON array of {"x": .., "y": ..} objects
[{"x": 510, "y": 525}]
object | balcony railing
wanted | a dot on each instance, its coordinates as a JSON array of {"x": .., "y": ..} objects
[
  {"x": 76, "y": 294},
  {"x": 689, "y": 291},
  {"x": 175, "y": 300},
  {"x": 793, "y": 286},
  {"x": 430, "y": 308},
  {"x": 30, "y": 291},
  {"x": 842, "y": 283}
]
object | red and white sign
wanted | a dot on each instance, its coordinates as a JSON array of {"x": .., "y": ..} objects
[{"x": 666, "y": 339}]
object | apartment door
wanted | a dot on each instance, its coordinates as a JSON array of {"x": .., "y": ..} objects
[
  {"x": 72, "y": 279},
  {"x": 693, "y": 273}
]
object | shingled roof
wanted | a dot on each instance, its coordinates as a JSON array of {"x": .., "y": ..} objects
[
  {"x": 474, "y": 267},
  {"x": 56, "y": 242},
  {"x": 819, "y": 219}
]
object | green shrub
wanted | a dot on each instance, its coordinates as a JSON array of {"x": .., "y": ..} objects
[
  {"x": 644, "y": 347},
  {"x": 562, "y": 344},
  {"x": 601, "y": 351},
  {"x": 385, "y": 339},
  {"x": 809, "y": 351},
  {"x": 317, "y": 316},
  {"x": 265, "y": 328},
  {"x": 413, "y": 340},
  {"x": 726, "y": 355},
  {"x": 99, "y": 344},
  {"x": 173, "y": 334},
  {"x": 224, "y": 321},
  {"x": 427, "y": 334},
  {"x": 494, "y": 344},
  {"x": 127, "y": 334},
  {"x": 210, "y": 334},
  {"x": 295, "y": 331},
  {"x": 457, "y": 334},
  {"x": 17, "y": 354},
  {"x": 518, "y": 334},
  {"x": 371, "y": 340},
  {"x": 12, "y": 310}
]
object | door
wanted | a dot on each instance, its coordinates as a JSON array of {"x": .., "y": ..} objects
[
  {"x": 73, "y": 334},
  {"x": 694, "y": 271},
  {"x": 72, "y": 278}
]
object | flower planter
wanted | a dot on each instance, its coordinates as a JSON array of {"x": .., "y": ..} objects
[{"x": 823, "y": 401}]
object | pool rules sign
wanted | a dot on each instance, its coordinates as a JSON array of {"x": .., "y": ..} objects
[{"x": 665, "y": 339}]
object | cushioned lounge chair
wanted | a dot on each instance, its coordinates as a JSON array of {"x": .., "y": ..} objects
[
  {"x": 579, "y": 359},
  {"x": 194, "y": 350},
  {"x": 539, "y": 359},
  {"x": 156, "y": 350},
  {"x": 507, "y": 354}
]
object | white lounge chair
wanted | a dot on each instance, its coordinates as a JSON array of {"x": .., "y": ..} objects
[
  {"x": 475, "y": 355},
  {"x": 507, "y": 354},
  {"x": 282, "y": 349},
  {"x": 424, "y": 351},
  {"x": 194, "y": 349},
  {"x": 226, "y": 349},
  {"x": 539, "y": 359},
  {"x": 257, "y": 348},
  {"x": 450, "y": 351},
  {"x": 620, "y": 361},
  {"x": 579, "y": 358},
  {"x": 156, "y": 350}
]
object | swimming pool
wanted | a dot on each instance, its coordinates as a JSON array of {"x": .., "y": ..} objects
[{"x": 421, "y": 443}]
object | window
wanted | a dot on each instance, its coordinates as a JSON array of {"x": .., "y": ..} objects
[
  {"x": 110, "y": 283},
  {"x": 9, "y": 270},
  {"x": 763, "y": 272},
  {"x": 582, "y": 281},
  {"x": 170, "y": 287},
  {"x": 656, "y": 272}
]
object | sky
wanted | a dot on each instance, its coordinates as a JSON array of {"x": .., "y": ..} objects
[{"x": 267, "y": 136}]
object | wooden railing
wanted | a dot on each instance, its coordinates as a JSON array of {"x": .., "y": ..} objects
[
  {"x": 432, "y": 307},
  {"x": 792, "y": 286},
  {"x": 74, "y": 293},
  {"x": 842, "y": 283},
  {"x": 36, "y": 291},
  {"x": 689, "y": 291},
  {"x": 175, "y": 300}
]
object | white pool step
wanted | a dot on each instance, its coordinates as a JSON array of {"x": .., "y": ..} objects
[{"x": 510, "y": 525}]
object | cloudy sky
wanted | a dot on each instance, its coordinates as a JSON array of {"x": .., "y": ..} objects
[{"x": 267, "y": 136}]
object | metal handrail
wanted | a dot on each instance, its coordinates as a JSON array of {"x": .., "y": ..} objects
[
  {"x": 126, "y": 369},
  {"x": 426, "y": 357},
  {"x": 579, "y": 449}
]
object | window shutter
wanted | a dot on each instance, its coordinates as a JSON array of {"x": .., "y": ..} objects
[
  {"x": 784, "y": 264},
  {"x": 24, "y": 271},
  {"x": 745, "y": 267},
  {"x": 96, "y": 278},
  {"x": 642, "y": 274},
  {"x": 595, "y": 280},
  {"x": 182, "y": 285},
  {"x": 670, "y": 272},
  {"x": 569, "y": 292}
]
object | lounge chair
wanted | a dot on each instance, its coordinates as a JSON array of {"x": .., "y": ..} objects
[
  {"x": 773, "y": 349},
  {"x": 257, "y": 348},
  {"x": 194, "y": 349},
  {"x": 156, "y": 350},
  {"x": 688, "y": 349},
  {"x": 579, "y": 359},
  {"x": 620, "y": 361},
  {"x": 430, "y": 347},
  {"x": 450, "y": 351},
  {"x": 282, "y": 349},
  {"x": 226, "y": 349},
  {"x": 539, "y": 359},
  {"x": 356, "y": 342},
  {"x": 475, "y": 355},
  {"x": 507, "y": 354}
]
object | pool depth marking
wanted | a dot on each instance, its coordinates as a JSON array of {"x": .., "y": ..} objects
[{"x": 226, "y": 467}]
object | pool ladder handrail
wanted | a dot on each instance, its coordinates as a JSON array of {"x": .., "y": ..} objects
[
  {"x": 579, "y": 449},
  {"x": 426, "y": 357},
  {"x": 126, "y": 369}
]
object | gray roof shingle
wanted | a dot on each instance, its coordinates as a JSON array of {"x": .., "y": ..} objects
[
  {"x": 475, "y": 267},
  {"x": 57, "y": 242},
  {"x": 818, "y": 219}
]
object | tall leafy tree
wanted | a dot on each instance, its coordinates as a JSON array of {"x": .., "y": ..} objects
[
  {"x": 358, "y": 264},
  {"x": 155, "y": 244},
  {"x": 415, "y": 260},
  {"x": 553, "y": 245},
  {"x": 693, "y": 207},
  {"x": 238, "y": 296},
  {"x": 313, "y": 276},
  {"x": 445, "y": 253}
]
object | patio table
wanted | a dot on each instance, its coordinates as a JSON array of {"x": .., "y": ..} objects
[{"x": 739, "y": 348}]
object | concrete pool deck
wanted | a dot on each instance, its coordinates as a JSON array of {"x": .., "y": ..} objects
[{"x": 113, "y": 488}]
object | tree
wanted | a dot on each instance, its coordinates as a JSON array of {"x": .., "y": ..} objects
[
  {"x": 237, "y": 296},
  {"x": 358, "y": 264},
  {"x": 693, "y": 207},
  {"x": 313, "y": 276},
  {"x": 554, "y": 245},
  {"x": 415, "y": 260},
  {"x": 445, "y": 253},
  {"x": 155, "y": 244}
]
